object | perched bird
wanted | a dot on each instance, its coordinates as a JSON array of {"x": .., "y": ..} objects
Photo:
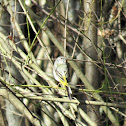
[{"x": 60, "y": 72}]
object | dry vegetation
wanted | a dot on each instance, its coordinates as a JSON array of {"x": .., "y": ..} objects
[{"x": 91, "y": 34}]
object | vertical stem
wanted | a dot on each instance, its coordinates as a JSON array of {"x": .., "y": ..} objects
[{"x": 91, "y": 71}]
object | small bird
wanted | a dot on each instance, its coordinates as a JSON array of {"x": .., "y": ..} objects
[{"x": 60, "y": 72}]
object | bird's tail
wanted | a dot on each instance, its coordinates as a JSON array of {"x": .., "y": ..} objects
[{"x": 69, "y": 92}]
